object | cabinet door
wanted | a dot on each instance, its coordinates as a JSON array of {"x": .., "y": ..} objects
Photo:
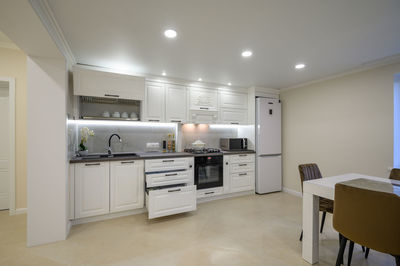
[
  {"x": 203, "y": 99},
  {"x": 203, "y": 117},
  {"x": 227, "y": 181},
  {"x": 126, "y": 185},
  {"x": 92, "y": 193},
  {"x": 229, "y": 99},
  {"x": 233, "y": 116},
  {"x": 242, "y": 182},
  {"x": 155, "y": 102},
  {"x": 175, "y": 98}
]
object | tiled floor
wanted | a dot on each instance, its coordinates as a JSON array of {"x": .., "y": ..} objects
[{"x": 249, "y": 230}]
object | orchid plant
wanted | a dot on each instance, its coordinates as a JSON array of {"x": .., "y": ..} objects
[{"x": 85, "y": 134}]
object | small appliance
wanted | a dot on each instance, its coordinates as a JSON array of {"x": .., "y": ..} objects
[{"x": 231, "y": 144}]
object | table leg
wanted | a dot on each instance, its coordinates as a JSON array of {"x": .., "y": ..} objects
[{"x": 310, "y": 228}]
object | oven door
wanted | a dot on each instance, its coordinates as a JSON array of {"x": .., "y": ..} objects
[{"x": 208, "y": 171}]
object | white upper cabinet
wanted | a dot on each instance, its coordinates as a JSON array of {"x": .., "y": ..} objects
[
  {"x": 126, "y": 185},
  {"x": 110, "y": 85},
  {"x": 155, "y": 102},
  {"x": 203, "y": 99},
  {"x": 228, "y": 99},
  {"x": 175, "y": 103},
  {"x": 233, "y": 116}
]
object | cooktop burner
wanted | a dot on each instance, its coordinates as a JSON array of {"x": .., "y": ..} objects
[{"x": 201, "y": 151}]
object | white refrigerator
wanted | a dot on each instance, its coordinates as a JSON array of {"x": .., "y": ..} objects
[{"x": 268, "y": 146}]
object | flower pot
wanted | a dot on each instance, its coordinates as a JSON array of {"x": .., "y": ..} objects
[{"x": 83, "y": 153}]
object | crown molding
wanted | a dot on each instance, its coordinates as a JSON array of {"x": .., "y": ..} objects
[
  {"x": 363, "y": 67},
  {"x": 44, "y": 12},
  {"x": 9, "y": 45}
]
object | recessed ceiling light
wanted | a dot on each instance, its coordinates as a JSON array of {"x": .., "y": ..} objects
[
  {"x": 299, "y": 66},
  {"x": 163, "y": 73},
  {"x": 229, "y": 84},
  {"x": 247, "y": 53},
  {"x": 199, "y": 79},
  {"x": 170, "y": 33}
]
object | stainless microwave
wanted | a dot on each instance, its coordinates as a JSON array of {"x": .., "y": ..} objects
[{"x": 232, "y": 144}]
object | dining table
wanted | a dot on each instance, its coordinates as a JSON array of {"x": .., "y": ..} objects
[{"x": 325, "y": 187}]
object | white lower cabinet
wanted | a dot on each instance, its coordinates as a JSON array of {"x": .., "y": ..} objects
[
  {"x": 126, "y": 185},
  {"x": 242, "y": 181},
  {"x": 168, "y": 201},
  {"x": 92, "y": 191},
  {"x": 239, "y": 173}
]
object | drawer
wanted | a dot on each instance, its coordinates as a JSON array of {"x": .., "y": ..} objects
[
  {"x": 170, "y": 178},
  {"x": 168, "y": 201},
  {"x": 243, "y": 158},
  {"x": 242, "y": 182},
  {"x": 167, "y": 164},
  {"x": 242, "y": 167},
  {"x": 204, "y": 193}
]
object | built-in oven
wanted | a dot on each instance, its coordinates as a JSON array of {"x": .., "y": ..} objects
[{"x": 208, "y": 171}]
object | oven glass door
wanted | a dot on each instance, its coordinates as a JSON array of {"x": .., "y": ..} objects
[{"x": 208, "y": 171}]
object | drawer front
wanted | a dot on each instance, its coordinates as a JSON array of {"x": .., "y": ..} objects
[
  {"x": 170, "y": 201},
  {"x": 167, "y": 164},
  {"x": 170, "y": 178},
  {"x": 242, "y": 167},
  {"x": 204, "y": 193},
  {"x": 242, "y": 182},
  {"x": 243, "y": 158}
]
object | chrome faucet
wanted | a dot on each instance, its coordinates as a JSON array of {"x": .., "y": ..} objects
[{"x": 109, "y": 143}]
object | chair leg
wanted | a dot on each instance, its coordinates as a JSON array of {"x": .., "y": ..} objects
[
  {"x": 363, "y": 248},
  {"x": 339, "y": 259},
  {"x": 397, "y": 260},
  {"x": 323, "y": 221},
  {"x": 366, "y": 253},
  {"x": 301, "y": 236},
  {"x": 351, "y": 247}
]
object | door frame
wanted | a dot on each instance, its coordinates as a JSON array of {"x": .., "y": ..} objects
[{"x": 11, "y": 106}]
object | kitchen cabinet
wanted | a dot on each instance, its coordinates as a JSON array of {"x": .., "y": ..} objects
[
  {"x": 126, "y": 185},
  {"x": 155, "y": 102},
  {"x": 203, "y": 99},
  {"x": 92, "y": 193},
  {"x": 203, "y": 117},
  {"x": 227, "y": 176},
  {"x": 233, "y": 116},
  {"x": 96, "y": 83},
  {"x": 229, "y": 99},
  {"x": 239, "y": 172},
  {"x": 242, "y": 181},
  {"x": 175, "y": 103}
]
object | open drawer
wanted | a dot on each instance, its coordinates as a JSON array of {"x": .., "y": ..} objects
[
  {"x": 167, "y": 164},
  {"x": 173, "y": 200},
  {"x": 169, "y": 178}
]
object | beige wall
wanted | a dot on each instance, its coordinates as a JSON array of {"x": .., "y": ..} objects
[
  {"x": 13, "y": 64},
  {"x": 343, "y": 124}
]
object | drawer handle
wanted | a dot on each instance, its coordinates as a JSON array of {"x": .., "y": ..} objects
[
  {"x": 154, "y": 120},
  {"x": 242, "y": 155},
  {"x": 208, "y": 193},
  {"x": 171, "y": 174},
  {"x": 168, "y": 161},
  {"x": 234, "y": 123},
  {"x": 243, "y": 164},
  {"x": 203, "y": 108},
  {"x": 176, "y": 121},
  {"x": 112, "y": 95},
  {"x": 243, "y": 174},
  {"x": 91, "y": 164},
  {"x": 174, "y": 190},
  {"x": 127, "y": 162}
]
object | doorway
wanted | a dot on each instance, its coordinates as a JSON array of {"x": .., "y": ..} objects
[{"x": 7, "y": 144}]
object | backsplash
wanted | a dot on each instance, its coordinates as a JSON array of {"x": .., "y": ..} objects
[{"x": 209, "y": 134}]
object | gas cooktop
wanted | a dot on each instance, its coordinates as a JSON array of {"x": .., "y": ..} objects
[{"x": 203, "y": 151}]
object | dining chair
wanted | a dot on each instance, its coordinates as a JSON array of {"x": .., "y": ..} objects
[
  {"x": 395, "y": 174},
  {"x": 367, "y": 217},
  {"x": 311, "y": 171}
]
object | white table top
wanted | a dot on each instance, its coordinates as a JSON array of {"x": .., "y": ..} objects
[{"x": 325, "y": 187}]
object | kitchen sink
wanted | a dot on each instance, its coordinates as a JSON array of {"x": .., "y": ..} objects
[{"x": 106, "y": 155}]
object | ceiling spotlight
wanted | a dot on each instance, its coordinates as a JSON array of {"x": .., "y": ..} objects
[
  {"x": 299, "y": 66},
  {"x": 163, "y": 73},
  {"x": 247, "y": 53},
  {"x": 229, "y": 84},
  {"x": 170, "y": 33},
  {"x": 199, "y": 79}
]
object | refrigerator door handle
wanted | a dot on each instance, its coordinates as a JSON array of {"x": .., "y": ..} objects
[{"x": 270, "y": 155}]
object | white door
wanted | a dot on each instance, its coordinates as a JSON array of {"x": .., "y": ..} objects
[
  {"x": 268, "y": 126},
  {"x": 92, "y": 193},
  {"x": 269, "y": 174},
  {"x": 126, "y": 185},
  {"x": 155, "y": 102},
  {"x": 175, "y": 97},
  {"x": 4, "y": 149}
]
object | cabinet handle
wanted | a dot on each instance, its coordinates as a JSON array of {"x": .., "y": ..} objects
[
  {"x": 243, "y": 164},
  {"x": 176, "y": 121},
  {"x": 226, "y": 163},
  {"x": 127, "y": 162},
  {"x": 207, "y": 193},
  {"x": 168, "y": 161},
  {"x": 234, "y": 123},
  {"x": 112, "y": 95},
  {"x": 154, "y": 120},
  {"x": 171, "y": 174},
  {"x": 90, "y": 164},
  {"x": 174, "y": 190},
  {"x": 242, "y": 155},
  {"x": 204, "y": 108},
  {"x": 243, "y": 174}
]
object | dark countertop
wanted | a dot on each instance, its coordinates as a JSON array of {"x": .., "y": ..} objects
[{"x": 153, "y": 155}]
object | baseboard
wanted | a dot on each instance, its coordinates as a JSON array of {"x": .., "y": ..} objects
[
  {"x": 225, "y": 196},
  {"x": 292, "y": 192},
  {"x": 19, "y": 211},
  {"x": 107, "y": 216}
]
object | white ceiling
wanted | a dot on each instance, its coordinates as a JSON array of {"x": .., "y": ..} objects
[{"x": 329, "y": 36}]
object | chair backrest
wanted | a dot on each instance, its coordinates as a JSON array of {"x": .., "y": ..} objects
[
  {"x": 309, "y": 171},
  {"x": 395, "y": 174},
  {"x": 367, "y": 217}
]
